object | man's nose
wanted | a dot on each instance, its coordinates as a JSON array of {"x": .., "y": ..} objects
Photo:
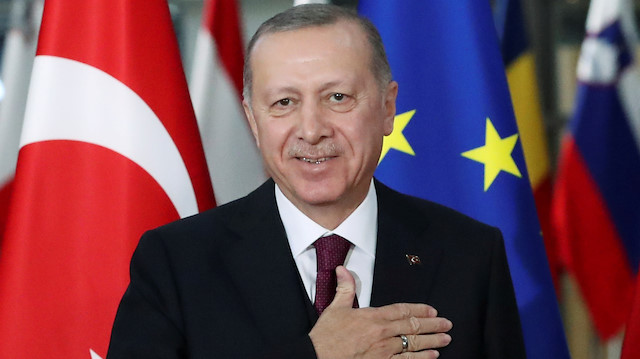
[{"x": 313, "y": 125}]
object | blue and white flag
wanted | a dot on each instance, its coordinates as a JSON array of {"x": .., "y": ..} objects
[{"x": 596, "y": 206}]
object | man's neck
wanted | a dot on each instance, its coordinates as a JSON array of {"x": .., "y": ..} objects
[{"x": 329, "y": 216}]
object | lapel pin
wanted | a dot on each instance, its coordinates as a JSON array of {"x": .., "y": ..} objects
[{"x": 413, "y": 259}]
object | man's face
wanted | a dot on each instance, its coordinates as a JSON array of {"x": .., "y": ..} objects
[{"x": 318, "y": 114}]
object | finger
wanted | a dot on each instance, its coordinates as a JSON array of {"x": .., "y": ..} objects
[
  {"x": 427, "y": 354},
  {"x": 415, "y": 326},
  {"x": 346, "y": 289},
  {"x": 407, "y": 310},
  {"x": 426, "y": 341},
  {"x": 419, "y": 347}
]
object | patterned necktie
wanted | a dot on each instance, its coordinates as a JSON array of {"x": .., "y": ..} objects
[{"x": 331, "y": 252}]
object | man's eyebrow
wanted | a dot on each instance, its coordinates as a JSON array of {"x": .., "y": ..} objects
[
  {"x": 330, "y": 84},
  {"x": 275, "y": 91}
]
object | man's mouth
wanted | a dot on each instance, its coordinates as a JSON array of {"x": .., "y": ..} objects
[{"x": 316, "y": 161}]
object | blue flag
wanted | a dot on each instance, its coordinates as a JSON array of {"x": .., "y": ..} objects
[{"x": 456, "y": 141}]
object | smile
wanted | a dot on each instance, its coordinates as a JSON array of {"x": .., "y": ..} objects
[{"x": 316, "y": 161}]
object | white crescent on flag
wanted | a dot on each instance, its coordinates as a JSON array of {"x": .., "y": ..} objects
[
  {"x": 68, "y": 90},
  {"x": 110, "y": 149}
]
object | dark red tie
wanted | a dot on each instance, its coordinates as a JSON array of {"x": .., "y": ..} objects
[{"x": 331, "y": 252}]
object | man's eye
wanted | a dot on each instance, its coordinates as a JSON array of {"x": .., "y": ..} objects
[
  {"x": 283, "y": 102},
  {"x": 338, "y": 97},
  {"x": 341, "y": 102}
]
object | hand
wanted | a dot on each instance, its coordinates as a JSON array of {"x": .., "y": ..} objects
[{"x": 344, "y": 332}]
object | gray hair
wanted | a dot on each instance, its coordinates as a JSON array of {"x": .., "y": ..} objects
[{"x": 311, "y": 15}]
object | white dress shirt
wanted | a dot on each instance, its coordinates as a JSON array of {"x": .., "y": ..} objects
[{"x": 360, "y": 228}]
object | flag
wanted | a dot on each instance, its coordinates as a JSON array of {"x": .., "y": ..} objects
[
  {"x": 17, "y": 61},
  {"x": 235, "y": 165},
  {"x": 518, "y": 59},
  {"x": 596, "y": 205},
  {"x": 631, "y": 344},
  {"x": 301, "y": 2},
  {"x": 455, "y": 141},
  {"x": 109, "y": 148}
]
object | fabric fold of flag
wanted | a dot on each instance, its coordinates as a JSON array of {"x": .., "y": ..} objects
[
  {"x": 17, "y": 61},
  {"x": 456, "y": 142},
  {"x": 234, "y": 162},
  {"x": 631, "y": 344},
  {"x": 518, "y": 59},
  {"x": 596, "y": 206},
  {"x": 109, "y": 148}
]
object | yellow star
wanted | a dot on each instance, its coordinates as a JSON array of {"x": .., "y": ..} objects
[
  {"x": 495, "y": 154},
  {"x": 396, "y": 139}
]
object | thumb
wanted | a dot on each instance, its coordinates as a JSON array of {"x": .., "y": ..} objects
[{"x": 346, "y": 289}]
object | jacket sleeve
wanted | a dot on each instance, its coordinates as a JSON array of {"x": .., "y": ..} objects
[{"x": 149, "y": 321}]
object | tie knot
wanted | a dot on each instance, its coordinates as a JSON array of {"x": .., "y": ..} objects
[{"x": 331, "y": 252}]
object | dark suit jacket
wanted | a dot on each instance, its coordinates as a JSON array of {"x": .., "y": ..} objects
[{"x": 224, "y": 284}]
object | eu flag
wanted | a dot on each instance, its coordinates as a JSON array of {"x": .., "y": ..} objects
[{"x": 456, "y": 141}]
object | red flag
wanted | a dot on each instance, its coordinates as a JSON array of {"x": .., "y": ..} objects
[
  {"x": 631, "y": 345},
  {"x": 234, "y": 162},
  {"x": 17, "y": 61},
  {"x": 596, "y": 204},
  {"x": 110, "y": 148}
]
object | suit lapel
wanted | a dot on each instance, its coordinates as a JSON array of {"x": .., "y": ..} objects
[
  {"x": 402, "y": 231},
  {"x": 262, "y": 267}
]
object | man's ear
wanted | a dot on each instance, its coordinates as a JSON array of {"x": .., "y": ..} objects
[
  {"x": 252, "y": 120},
  {"x": 390, "y": 96}
]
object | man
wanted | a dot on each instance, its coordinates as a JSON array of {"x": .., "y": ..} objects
[{"x": 248, "y": 280}]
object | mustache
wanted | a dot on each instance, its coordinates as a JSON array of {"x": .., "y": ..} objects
[{"x": 320, "y": 150}]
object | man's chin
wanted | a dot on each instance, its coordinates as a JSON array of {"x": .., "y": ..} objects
[
  {"x": 318, "y": 199},
  {"x": 316, "y": 194}
]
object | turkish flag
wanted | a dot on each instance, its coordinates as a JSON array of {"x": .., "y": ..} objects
[
  {"x": 216, "y": 90},
  {"x": 110, "y": 148}
]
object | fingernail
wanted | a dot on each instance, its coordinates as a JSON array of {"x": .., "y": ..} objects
[
  {"x": 447, "y": 339},
  {"x": 433, "y": 312},
  {"x": 436, "y": 353}
]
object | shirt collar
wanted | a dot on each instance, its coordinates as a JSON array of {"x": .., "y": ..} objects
[{"x": 360, "y": 228}]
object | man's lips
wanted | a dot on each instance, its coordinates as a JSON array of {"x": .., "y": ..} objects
[
  {"x": 316, "y": 154},
  {"x": 316, "y": 161}
]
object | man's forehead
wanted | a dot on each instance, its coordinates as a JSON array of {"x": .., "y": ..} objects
[
  {"x": 309, "y": 57},
  {"x": 319, "y": 50},
  {"x": 340, "y": 31}
]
